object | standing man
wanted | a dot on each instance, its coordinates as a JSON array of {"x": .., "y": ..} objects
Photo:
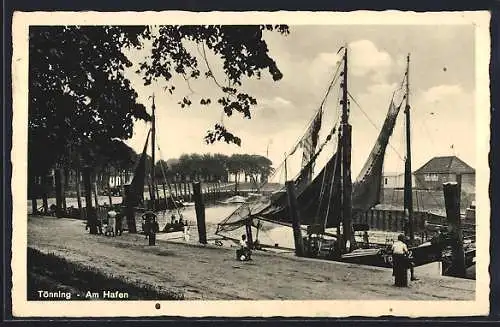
[{"x": 400, "y": 262}]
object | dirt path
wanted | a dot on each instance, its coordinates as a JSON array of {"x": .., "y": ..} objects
[{"x": 213, "y": 273}]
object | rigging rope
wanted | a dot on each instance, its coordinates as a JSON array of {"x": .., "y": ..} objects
[
  {"x": 168, "y": 184},
  {"x": 373, "y": 124},
  {"x": 330, "y": 86}
]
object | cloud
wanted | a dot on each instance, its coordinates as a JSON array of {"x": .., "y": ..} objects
[
  {"x": 274, "y": 102},
  {"x": 366, "y": 59},
  {"x": 441, "y": 92}
]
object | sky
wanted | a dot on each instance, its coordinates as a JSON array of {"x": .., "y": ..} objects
[{"x": 442, "y": 91}]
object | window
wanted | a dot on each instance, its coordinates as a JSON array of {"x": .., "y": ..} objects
[
  {"x": 385, "y": 182},
  {"x": 431, "y": 177}
]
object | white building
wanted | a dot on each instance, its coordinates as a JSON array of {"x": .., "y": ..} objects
[{"x": 395, "y": 180}]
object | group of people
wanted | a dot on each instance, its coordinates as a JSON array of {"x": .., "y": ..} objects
[
  {"x": 111, "y": 226},
  {"x": 114, "y": 227},
  {"x": 176, "y": 224}
]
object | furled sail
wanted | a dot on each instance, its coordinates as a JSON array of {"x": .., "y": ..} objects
[
  {"x": 135, "y": 193},
  {"x": 368, "y": 185},
  {"x": 309, "y": 143}
]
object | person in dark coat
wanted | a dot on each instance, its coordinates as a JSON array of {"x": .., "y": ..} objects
[
  {"x": 151, "y": 226},
  {"x": 119, "y": 223},
  {"x": 400, "y": 262}
]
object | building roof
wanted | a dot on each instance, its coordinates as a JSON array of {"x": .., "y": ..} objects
[{"x": 448, "y": 164}]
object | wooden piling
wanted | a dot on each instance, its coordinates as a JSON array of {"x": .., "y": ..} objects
[
  {"x": 173, "y": 187},
  {"x": 151, "y": 197},
  {"x": 164, "y": 192},
  {"x": 452, "y": 204},
  {"x": 248, "y": 227},
  {"x": 91, "y": 214},
  {"x": 157, "y": 199},
  {"x": 295, "y": 215},
  {"x": 200, "y": 212}
]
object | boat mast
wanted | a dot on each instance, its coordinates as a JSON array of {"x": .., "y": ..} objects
[
  {"x": 408, "y": 195},
  {"x": 286, "y": 177},
  {"x": 153, "y": 137},
  {"x": 346, "y": 183}
]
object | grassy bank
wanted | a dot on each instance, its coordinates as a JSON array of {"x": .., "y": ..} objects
[{"x": 48, "y": 272}]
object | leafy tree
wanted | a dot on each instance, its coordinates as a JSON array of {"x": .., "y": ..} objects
[
  {"x": 243, "y": 53},
  {"x": 79, "y": 96}
]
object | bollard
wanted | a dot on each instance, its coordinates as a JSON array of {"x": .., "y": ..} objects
[
  {"x": 294, "y": 213},
  {"x": 200, "y": 212}
]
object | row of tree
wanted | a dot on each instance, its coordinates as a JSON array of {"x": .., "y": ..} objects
[{"x": 214, "y": 167}]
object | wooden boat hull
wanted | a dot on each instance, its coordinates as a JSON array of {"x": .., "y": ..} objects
[{"x": 420, "y": 255}]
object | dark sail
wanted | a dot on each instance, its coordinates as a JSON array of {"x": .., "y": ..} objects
[
  {"x": 135, "y": 193},
  {"x": 315, "y": 201},
  {"x": 367, "y": 188}
]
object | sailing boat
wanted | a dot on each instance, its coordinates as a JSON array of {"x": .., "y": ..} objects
[
  {"x": 328, "y": 200},
  {"x": 134, "y": 192}
]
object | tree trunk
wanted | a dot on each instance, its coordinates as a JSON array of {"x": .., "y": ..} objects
[
  {"x": 34, "y": 189},
  {"x": 108, "y": 185},
  {"x": 65, "y": 188},
  {"x": 91, "y": 213},
  {"x": 96, "y": 198},
  {"x": 59, "y": 192},
  {"x": 78, "y": 194},
  {"x": 44, "y": 193}
]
